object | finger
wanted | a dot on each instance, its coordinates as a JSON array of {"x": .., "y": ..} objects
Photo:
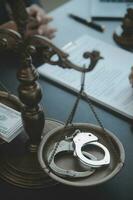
[
  {"x": 46, "y": 30},
  {"x": 9, "y": 25},
  {"x": 39, "y": 14},
  {"x": 31, "y": 32},
  {"x": 51, "y": 32},
  {"x": 33, "y": 24},
  {"x": 50, "y": 35},
  {"x": 43, "y": 19},
  {"x": 33, "y": 10}
]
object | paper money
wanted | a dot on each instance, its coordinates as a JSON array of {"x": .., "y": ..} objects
[{"x": 10, "y": 123}]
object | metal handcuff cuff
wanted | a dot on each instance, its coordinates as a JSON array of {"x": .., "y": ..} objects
[
  {"x": 82, "y": 139},
  {"x": 68, "y": 147},
  {"x": 78, "y": 141}
]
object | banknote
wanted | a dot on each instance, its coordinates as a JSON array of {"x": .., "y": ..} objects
[{"x": 10, "y": 123}]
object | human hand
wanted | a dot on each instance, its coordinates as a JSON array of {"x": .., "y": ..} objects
[
  {"x": 9, "y": 25},
  {"x": 40, "y": 24}
]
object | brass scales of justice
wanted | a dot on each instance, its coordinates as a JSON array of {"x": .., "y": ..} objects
[
  {"x": 123, "y": 35},
  {"x": 55, "y": 152}
]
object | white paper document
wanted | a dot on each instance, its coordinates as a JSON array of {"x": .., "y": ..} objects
[{"x": 107, "y": 84}]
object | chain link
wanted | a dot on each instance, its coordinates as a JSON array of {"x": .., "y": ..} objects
[{"x": 93, "y": 110}]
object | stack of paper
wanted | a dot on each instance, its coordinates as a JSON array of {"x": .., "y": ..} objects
[
  {"x": 107, "y": 84},
  {"x": 10, "y": 123}
]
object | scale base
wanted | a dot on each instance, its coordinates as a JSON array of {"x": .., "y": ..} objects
[
  {"x": 20, "y": 167},
  {"x": 126, "y": 43}
]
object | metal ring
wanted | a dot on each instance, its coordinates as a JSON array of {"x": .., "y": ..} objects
[
  {"x": 67, "y": 147},
  {"x": 83, "y": 139}
]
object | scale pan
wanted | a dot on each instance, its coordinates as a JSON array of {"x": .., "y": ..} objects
[{"x": 69, "y": 162}]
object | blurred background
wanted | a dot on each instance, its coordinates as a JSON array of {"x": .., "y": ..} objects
[{"x": 49, "y": 5}]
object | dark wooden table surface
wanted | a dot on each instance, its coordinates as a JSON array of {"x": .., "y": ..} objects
[{"x": 121, "y": 186}]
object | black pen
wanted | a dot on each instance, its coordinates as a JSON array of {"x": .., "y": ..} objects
[
  {"x": 89, "y": 23},
  {"x": 107, "y": 18}
]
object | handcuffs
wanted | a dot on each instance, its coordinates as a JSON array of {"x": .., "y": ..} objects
[
  {"x": 82, "y": 139},
  {"x": 74, "y": 144},
  {"x": 67, "y": 147}
]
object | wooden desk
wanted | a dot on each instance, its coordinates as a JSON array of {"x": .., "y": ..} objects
[{"x": 121, "y": 186}]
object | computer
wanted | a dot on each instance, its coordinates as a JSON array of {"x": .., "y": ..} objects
[{"x": 109, "y": 9}]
